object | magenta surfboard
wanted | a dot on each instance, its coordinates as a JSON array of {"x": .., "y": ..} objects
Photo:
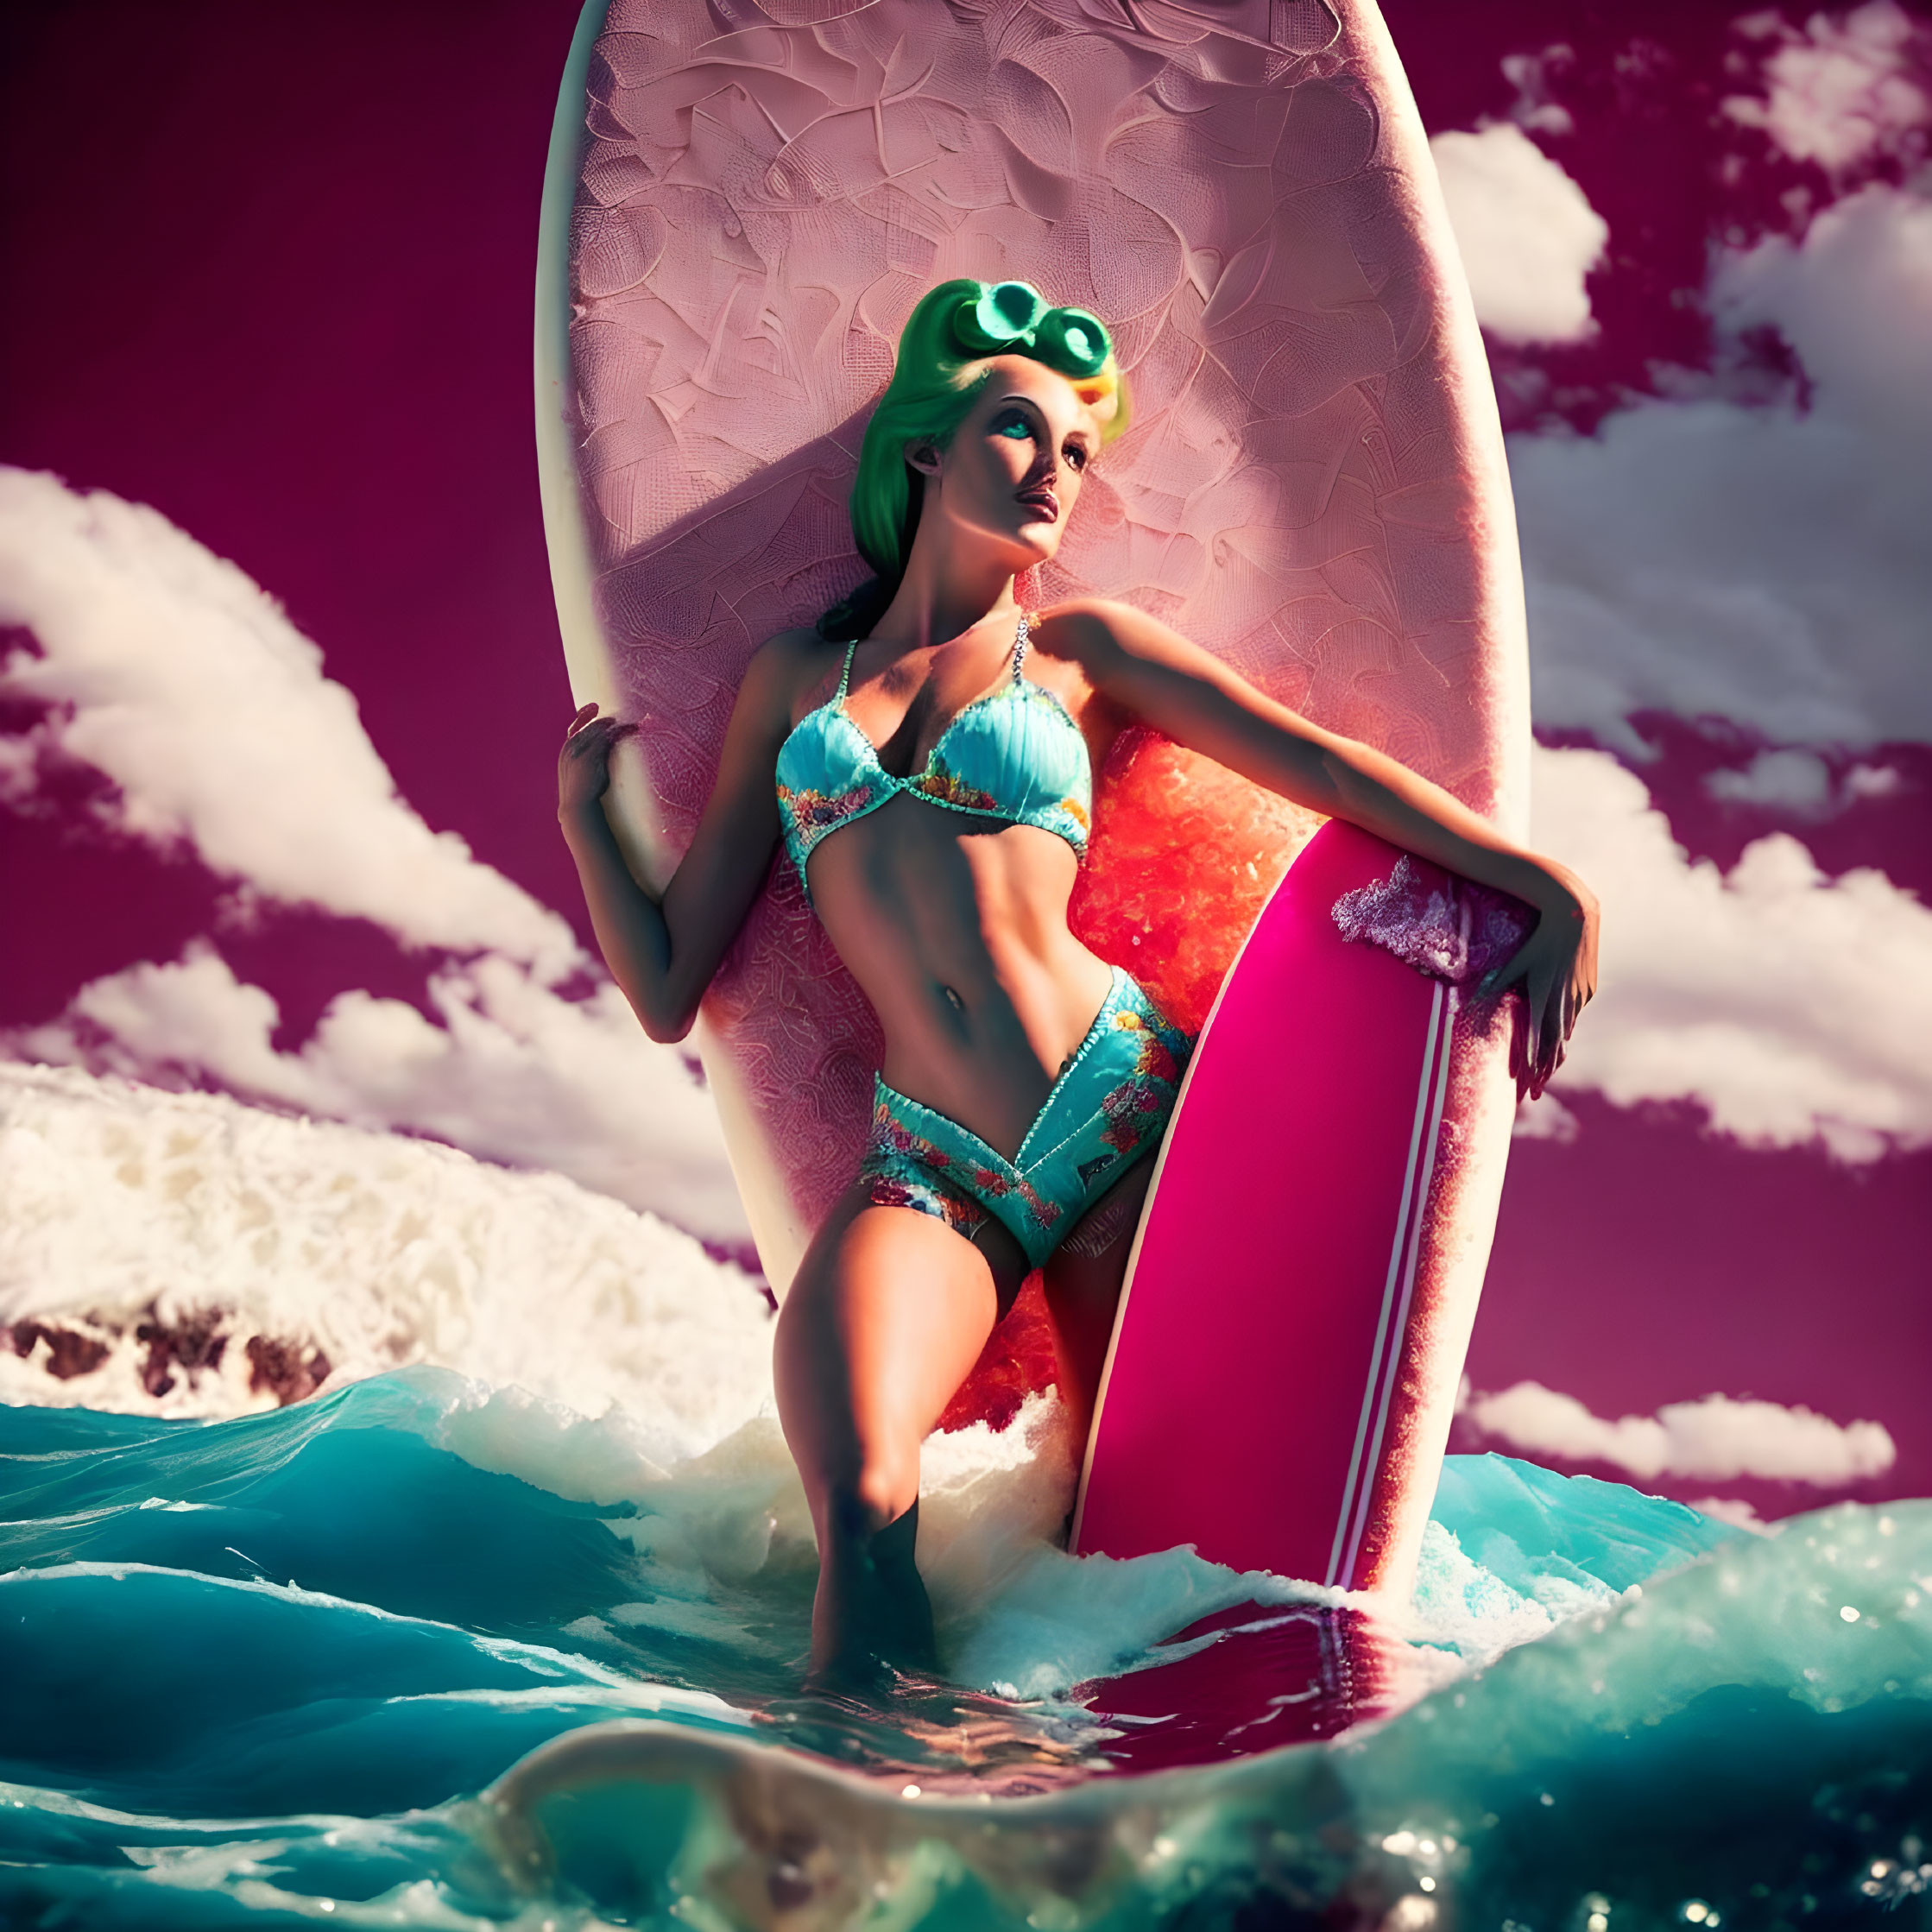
[{"x": 1271, "y": 1321}]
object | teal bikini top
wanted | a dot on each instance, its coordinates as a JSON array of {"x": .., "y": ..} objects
[{"x": 1015, "y": 755}]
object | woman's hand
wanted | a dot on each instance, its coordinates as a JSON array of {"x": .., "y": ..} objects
[
  {"x": 1556, "y": 967},
  {"x": 583, "y": 764}
]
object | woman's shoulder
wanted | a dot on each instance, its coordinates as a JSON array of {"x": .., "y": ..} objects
[
  {"x": 787, "y": 665},
  {"x": 785, "y": 673},
  {"x": 1076, "y": 627},
  {"x": 790, "y": 650},
  {"x": 1069, "y": 612}
]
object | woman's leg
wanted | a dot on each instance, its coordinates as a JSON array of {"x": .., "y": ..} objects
[
  {"x": 887, "y": 1316},
  {"x": 1083, "y": 1277}
]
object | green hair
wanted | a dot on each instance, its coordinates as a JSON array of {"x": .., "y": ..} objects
[{"x": 936, "y": 378}]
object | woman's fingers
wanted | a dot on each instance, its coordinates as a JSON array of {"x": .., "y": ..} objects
[
  {"x": 591, "y": 737},
  {"x": 1577, "y": 996},
  {"x": 1559, "y": 981},
  {"x": 1540, "y": 1030},
  {"x": 584, "y": 760},
  {"x": 606, "y": 731},
  {"x": 1556, "y": 968},
  {"x": 1538, "y": 1039}
]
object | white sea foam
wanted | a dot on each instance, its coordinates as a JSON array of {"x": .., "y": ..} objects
[
  {"x": 599, "y": 1355},
  {"x": 120, "y": 1203}
]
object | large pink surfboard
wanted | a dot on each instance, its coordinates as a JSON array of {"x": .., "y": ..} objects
[{"x": 745, "y": 199}]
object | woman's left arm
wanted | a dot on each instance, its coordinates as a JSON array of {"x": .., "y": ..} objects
[{"x": 1157, "y": 676}]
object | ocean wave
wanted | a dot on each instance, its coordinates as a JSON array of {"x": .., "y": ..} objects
[
  {"x": 276, "y": 1662},
  {"x": 271, "y": 1660}
]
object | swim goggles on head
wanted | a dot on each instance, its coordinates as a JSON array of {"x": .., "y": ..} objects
[{"x": 1012, "y": 318}]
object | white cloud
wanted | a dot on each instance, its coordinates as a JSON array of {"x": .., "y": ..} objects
[
  {"x": 176, "y": 676},
  {"x": 1801, "y": 784},
  {"x": 1705, "y": 560},
  {"x": 1545, "y": 1118},
  {"x": 1798, "y": 782},
  {"x": 1854, "y": 300},
  {"x": 513, "y": 1074},
  {"x": 1715, "y": 1440},
  {"x": 1841, "y": 91},
  {"x": 1527, "y": 234},
  {"x": 1789, "y": 1007},
  {"x": 1873, "y": 781},
  {"x": 1528, "y": 73},
  {"x": 1767, "y": 564},
  {"x": 1737, "y": 1512}
]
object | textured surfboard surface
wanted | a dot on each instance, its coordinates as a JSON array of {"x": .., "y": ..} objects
[
  {"x": 744, "y": 203},
  {"x": 1267, "y": 1394}
]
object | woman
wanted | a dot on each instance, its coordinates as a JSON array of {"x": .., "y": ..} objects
[{"x": 926, "y": 753}]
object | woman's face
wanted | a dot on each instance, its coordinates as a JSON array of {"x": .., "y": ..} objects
[{"x": 1012, "y": 473}]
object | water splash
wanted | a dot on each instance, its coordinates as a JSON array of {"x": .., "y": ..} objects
[{"x": 263, "y": 1667}]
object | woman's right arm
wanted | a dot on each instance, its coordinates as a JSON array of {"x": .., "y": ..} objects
[{"x": 663, "y": 953}]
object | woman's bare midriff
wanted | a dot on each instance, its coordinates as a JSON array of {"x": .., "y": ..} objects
[{"x": 956, "y": 929}]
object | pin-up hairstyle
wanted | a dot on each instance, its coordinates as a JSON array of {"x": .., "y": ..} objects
[{"x": 935, "y": 378}]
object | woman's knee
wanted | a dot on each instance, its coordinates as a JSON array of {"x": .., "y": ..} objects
[{"x": 870, "y": 1494}]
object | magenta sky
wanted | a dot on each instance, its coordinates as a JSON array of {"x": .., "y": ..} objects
[{"x": 269, "y": 272}]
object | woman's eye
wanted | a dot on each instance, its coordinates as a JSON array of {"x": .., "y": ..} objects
[
  {"x": 1077, "y": 456},
  {"x": 1012, "y": 426}
]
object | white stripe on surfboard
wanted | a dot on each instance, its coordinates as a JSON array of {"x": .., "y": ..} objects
[
  {"x": 1397, "y": 1248},
  {"x": 1398, "y": 1333},
  {"x": 1419, "y": 1221},
  {"x": 1397, "y": 1290}
]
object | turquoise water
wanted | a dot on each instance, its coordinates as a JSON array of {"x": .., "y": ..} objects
[{"x": 259, "y": 1671}]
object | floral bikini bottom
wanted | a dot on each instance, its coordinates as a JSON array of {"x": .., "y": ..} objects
[{"x": 1111, "y": 1102}]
